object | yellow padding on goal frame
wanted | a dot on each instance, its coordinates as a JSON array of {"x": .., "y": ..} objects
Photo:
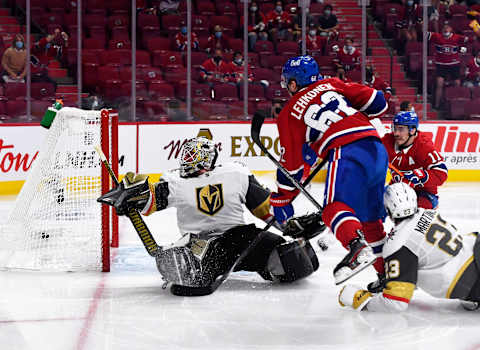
[{"x": 457, "y": 175}]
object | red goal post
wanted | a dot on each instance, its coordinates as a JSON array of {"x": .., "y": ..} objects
[{"x": 56, "y": 223}]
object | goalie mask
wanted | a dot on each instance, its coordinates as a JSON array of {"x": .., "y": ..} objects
[
  {"x": 400, "y": 200},
  {"x": 198, "y": 154}
]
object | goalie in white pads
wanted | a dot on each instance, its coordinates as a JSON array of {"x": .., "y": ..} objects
[
  {"x": 424, "y": 250},
  {"x": 210, "y": 201}
]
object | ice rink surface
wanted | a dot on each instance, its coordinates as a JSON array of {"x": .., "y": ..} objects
[{"x": 128, "y": 309}]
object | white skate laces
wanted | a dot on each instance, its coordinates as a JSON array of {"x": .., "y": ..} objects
[{"x": 360, "y": 256}]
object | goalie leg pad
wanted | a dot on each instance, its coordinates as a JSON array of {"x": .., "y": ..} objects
[{"x": 292, "y": 261}]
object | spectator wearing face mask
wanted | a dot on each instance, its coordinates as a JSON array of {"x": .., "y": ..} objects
[
  {"x": 14, "y": 61},
  {"x": 315, "y": 43},
  {"x": 218, "y": 40},
  {"x": 472, "y": 73},
  {"x": 276, "y": 109},
  {"x": 376, "y": 82},
  {"x": 280, "y": 25},
  {"x": 328, "y": 23},
  {"x": 448, "y": 47},
  {"x": 215, "y": 69},
  {"x": 256, "y": 25},
  {"x": 237, "y": 69},
  {"x": 347, "y": 58},
  {"x": 181, "y": 39}
]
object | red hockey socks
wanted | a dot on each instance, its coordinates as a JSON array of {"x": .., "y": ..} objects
[{"x": 341, "y": 219}]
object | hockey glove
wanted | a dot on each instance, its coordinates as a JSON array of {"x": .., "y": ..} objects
[
  {"x": 306, "y": 226},
  {"x": 354, "y": 297},
  {"x": 282, "y": 206},
  {"x": 414, "y": 178},
  {"x": 133, "y": 191}
]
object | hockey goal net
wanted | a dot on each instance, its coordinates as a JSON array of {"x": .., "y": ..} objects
[{"x": 56, "y": 223}]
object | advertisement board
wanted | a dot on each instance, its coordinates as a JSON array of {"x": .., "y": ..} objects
[{"x": 153, "y": 148}]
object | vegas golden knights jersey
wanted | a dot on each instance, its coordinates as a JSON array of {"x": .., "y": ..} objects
[
  {"x": 426, "y": 251},
  {"x": 214, "y": 201}
]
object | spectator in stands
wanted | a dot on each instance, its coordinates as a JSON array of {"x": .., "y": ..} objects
[
  {"x": 328, "y": 23},
  {"x": 406, "y": 106},
  {"x": 276, "y": 109},
  {"x": 237, "y": 69},
  {"x": 407, "y": 28},
  {"x": 347, "y": 58},
  {"x": 168, "y": 7},
  {"x": 215, "y": 69},
  {"x": 14, "y": 61},
  {"x": 448, "y": 47},
  {"x": 51, "y": 47},
  {"x": 374, "y": 81},
  {"x": 279, "y": 22},
  {"x": 433, "y": 14},
  {"x": 472, "y": 73},
  {"x": 315, "y": 43},
  {"x": 218, "y": 40},
  {"x": 297, "y": 21},
  {"x": 181, "y": 39},
  {"x": 256, "y": 25}
]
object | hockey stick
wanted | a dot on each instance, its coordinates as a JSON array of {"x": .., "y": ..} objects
[
  {"x": 257, "y": 122},
  {"x": 133, "y": 214},
  {"x": 393, "y": 168},
  {"x": 305, "y": 183}
]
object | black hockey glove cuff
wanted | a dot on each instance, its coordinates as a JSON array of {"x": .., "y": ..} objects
[{"x": 306, "y": 226}]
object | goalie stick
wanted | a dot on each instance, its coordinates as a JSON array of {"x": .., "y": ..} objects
[{"x": 133, "y": 214}]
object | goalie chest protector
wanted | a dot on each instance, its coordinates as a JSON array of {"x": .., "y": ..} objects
[{"x": 213, "y": 201}]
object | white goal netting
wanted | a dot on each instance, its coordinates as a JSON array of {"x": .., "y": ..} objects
[{"x": 56, "y": 222}]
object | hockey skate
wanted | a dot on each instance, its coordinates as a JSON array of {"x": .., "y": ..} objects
[
  {"x": 378, "y": 285},
  {"x": 359, "y": 257}
]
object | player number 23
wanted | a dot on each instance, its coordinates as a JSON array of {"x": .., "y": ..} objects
[
  {"x": 392, "y": 269},
  {"x": 320, "y": 117}
]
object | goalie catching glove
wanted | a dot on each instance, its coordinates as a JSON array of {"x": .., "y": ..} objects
[
  {"x": 134, "y": 192},
  {"x": 306, "y": 226}
]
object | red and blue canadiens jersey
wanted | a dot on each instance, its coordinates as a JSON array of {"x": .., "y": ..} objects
[
  {"x": 327, "y": 114},
  {"x": 420, "y": 154}
]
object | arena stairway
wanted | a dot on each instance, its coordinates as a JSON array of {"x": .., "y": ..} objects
[{"x": 349, "y": 15}]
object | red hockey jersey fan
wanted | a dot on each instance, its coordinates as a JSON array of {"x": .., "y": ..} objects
[{"x": 447, "y": 49}]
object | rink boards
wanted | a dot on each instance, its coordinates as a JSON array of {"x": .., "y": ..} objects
[{"x": 151, "y": 147}]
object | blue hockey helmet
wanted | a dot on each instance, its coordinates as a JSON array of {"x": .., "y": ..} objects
[
  {"x": 409, "y": 119},
  {"x": 304, "y": 69}
]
